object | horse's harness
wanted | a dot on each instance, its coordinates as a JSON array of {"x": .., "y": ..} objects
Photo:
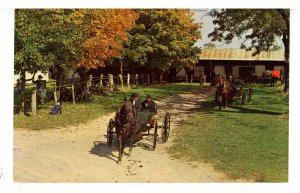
[
  {"x": 128, "y": 121},
  {"x": 221, "y": 85}
]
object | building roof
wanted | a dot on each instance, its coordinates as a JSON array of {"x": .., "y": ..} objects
[{"x": 241, "y": 54}]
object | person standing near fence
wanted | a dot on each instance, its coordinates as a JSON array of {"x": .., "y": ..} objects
[
  {"x": 41, "y": 87},
  {"x": 18, "y": 86}
]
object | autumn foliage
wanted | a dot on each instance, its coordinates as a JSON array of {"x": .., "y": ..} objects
[{"x": 105, "y": 31}]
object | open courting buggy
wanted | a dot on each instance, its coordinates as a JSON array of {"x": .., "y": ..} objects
[{"x": 131, "y": 126}]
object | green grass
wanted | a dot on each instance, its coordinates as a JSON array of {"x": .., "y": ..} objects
[
  {"x": 244, "y": 141},
  {"x": 85, "y": 112}
]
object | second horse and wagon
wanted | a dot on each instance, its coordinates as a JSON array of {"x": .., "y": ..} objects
[
  {"x": 129, "y": 125},
  {"x": 227, "y": 91}
]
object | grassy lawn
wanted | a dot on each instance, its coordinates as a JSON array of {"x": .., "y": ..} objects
[
  {"x": 243, "y": 141},
  {"x": 84, "y": 112}
]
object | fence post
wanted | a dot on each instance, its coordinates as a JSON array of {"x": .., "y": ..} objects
[
  {"x": 33, "y": 102},
  {"x": 186, "y": 78},
  {"x": 111, "y": 82},
  {"x": 73, "y": 94},
  {"x": 89, "y": 83},
  {"x": 87, "y": 86},
  {"x": 121, "y": 81},
  {"x": 55, "y": 94},
  {"x": 136, "y": 80},
  {"x": 90, "y": 80},
  {"x": 101, "y": 78},
  {"x": 128, "y": 81},
  {"x": 148, "y": 79},
  {"x": 192, "y": 76}
]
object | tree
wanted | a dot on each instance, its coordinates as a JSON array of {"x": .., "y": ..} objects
[
  {"x": 63, "y": 37},
  {"x": 45, "y": 38},
  {"x": 163, "y": 39},
  {"x": 106, "y": 30},
  {"x": 60, "y": 39},
  {"x": 27, "y": 46},
  {"x": 260, "y": 26},
  {"x": 209, "y": 46}
]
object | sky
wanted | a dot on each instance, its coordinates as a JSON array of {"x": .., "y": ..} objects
[{"x": 208, "y": 26}]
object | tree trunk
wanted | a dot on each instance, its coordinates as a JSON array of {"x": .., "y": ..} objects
[
  {"x": 173, "y": 73},
  {"x": 121, "y": 66},
  {"x": 285, "y": 14},
  {"x": 83, "y": 74},
  {"x": 59, "y": 81},
  {"x": 22, "y": 94}
]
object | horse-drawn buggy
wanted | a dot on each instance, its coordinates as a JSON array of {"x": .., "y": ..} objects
[
  {"x": 131, "y": 126},
  {"x": 228, "y": 91}
]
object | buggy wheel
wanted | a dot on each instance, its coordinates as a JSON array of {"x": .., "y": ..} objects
[
  {"x": 166, "y": 128},
  {"x": 109, "y": 134},
  {"x": 155, "y": 135}
]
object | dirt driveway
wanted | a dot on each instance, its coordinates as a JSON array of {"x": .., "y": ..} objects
[{"x": 80, "y": 153}]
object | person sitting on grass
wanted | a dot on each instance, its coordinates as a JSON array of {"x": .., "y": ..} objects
[{"x": 56, "y": 109}]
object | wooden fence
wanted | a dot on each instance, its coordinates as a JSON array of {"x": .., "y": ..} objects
[{"x": 109, "y": 82}]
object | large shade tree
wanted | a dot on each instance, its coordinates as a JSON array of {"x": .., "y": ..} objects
[
  {"x": 163, "y": 39},
  {"x": 44, "y": 39},
  {"x": 261, "y": 27}
]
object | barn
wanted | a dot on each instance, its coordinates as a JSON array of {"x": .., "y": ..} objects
[{"x": 239, "y": 62}]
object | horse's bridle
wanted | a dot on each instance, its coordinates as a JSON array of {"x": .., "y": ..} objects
[
  {"x": 128, "y": 119},
  {"x": 220, "y": 83}
]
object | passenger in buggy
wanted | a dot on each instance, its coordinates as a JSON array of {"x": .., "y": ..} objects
[
  {"x": 149, "y": 105},
  {"x": 145, "y": 117}
]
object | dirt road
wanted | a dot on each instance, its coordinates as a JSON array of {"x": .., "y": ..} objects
[{"x": 80, "y": 153}]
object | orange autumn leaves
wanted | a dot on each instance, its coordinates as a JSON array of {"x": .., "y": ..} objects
[{"x": 105, "y": 31}]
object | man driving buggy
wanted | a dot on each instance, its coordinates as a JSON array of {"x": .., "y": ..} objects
[{"x": 135, "y": 101}]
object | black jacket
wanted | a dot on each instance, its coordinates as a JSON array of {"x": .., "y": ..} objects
[
  {"x": 149, "y": 106},
  {"x": 136, "y": 105}
]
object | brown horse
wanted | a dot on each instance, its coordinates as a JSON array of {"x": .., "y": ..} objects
[
  {"x": 225, "y": 91},
  {"x": 125, "y": 126}
]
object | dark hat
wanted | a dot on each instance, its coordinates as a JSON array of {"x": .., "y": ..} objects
[
  {"x": 148, "y": 96},
  {"x": 40, "y": 76},
  {"x": 134, "y": 95}
]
